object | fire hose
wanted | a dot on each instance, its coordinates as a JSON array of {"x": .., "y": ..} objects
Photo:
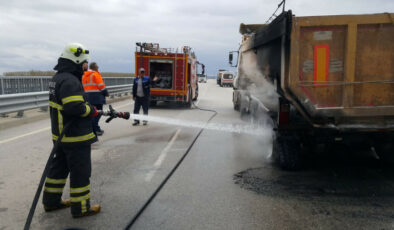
[
  {"x": 111, "y": 114},
  {"x": 158, "y": 189}
]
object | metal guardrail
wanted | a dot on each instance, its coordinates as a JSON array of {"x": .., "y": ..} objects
[
  {"x": 28, "y": 84},
  {"x": 20, "y": 102},
  {"x": 118, "y": 90}
]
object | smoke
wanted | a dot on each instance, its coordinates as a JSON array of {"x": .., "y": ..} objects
[
  {"x": 253, "y": 79},
  {"x": 262, "y": 98}
]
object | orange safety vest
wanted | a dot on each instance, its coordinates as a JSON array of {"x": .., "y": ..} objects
[{"x": 92, "y": 82}]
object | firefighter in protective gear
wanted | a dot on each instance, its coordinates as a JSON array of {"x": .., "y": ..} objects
[
  {"x": 68, "y": 103},
  {"x": 94, "y": 86}
]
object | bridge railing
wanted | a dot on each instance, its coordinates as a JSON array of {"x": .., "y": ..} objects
[
  {"x": 28, "y": 84},
  {"x": 20, "y": 102}
]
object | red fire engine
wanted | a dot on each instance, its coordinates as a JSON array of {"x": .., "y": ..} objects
[{"x": 176, "y": 71}]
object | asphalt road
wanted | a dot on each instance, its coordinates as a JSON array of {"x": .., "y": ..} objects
[{"x": 228, "y": 180}]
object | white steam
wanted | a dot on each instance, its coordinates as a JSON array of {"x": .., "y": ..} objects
[{"x": 253, "y": 80}]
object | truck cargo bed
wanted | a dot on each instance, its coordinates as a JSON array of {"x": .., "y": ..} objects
[
  {"x": 341, "y": 67},
  {"x": 336, "y": 70}
]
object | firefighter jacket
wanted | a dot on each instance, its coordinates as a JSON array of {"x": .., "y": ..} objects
[
  {"x": 68, "y": 102},
  {"x": 94, "y": 86},
  {"x": 146, "y": 83}
]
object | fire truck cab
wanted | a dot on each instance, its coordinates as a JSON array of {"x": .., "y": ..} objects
[{"x": 176, "y": 70}]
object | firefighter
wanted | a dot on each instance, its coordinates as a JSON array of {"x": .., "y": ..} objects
[
  {"x": 94, "y": 86},
  {"x": 141, "y": 93},
  {"x": 68, "y": 103}
]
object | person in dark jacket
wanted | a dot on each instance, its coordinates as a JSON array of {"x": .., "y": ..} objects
[
  {"x": 141, "y": 94},
  {"x": 68, "y": 104},
  {"x": 94, "y": 86}
]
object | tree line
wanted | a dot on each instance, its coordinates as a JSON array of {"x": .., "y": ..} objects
[{"x": 51, "y": 73}]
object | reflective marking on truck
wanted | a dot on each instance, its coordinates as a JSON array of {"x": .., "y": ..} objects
[
  {"x": 161, "y": 57},
  {"x": 321, "y": 64},
  {"x": 322, "y": 35},
  {"x": 335, "y": 66}
]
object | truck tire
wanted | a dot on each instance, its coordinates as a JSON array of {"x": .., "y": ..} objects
[
  {"x": 236, "y": 106},
  {"x": 288, "y": 152},
  {"x": 188, "y": 104},
  {"x": 236, "y": 103},
  {"x": 152, "y": 103},
  {"x": 244, "y": 113}
]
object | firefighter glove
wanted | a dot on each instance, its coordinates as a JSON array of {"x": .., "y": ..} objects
[{"x": 94, "y": 112}]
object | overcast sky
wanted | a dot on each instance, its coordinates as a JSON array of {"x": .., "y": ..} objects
[{"x": 33, "y": 33}]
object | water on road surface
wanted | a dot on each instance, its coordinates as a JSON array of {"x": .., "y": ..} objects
[{"x": 226, "y": 181}]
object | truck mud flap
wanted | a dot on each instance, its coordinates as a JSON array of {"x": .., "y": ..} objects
[{"x": 287, "y": 152}]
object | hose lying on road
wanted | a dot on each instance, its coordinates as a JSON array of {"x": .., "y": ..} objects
[
  {"x": 142, "y": 209},
  {"x": 44, "y": 175},
  {"x": 111, "y": 114}
]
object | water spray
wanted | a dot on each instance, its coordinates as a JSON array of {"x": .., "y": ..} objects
[{"x": 233, "y": 128}]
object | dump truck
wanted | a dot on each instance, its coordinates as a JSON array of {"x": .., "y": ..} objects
[
  {"x": 329, "y": 79},
  {"x": 176, "y": 70}
]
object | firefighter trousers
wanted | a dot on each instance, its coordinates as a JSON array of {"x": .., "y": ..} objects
[{"x": 74, "y": 160}]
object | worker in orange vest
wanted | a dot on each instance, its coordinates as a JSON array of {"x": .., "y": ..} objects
[{"x": 94, "y": 86}]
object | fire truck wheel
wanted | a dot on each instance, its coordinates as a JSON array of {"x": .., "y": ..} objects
[
  {"x": 152, "y": 103},
  {"x": 196, "y": 97},
  {"x": 188, "y": 104}
]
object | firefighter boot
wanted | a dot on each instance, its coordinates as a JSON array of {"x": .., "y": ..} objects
[
  {"x": 136, "y": 123},
  {"x": 61, "y": 205},
  {"x": 93, "y": 210},
  {"x": 145, "y": 122}
]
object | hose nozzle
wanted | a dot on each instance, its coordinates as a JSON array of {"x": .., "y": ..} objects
[{"x": 114, "y": 114}]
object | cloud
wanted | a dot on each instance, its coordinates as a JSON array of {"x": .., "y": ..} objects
[{"x": 35, "y": 32}]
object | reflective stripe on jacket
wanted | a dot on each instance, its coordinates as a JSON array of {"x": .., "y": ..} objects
[
  {"x": 92, "y": 82},
  {"x": 94, "y": 86},
  {"x": 67, "y": 101}
]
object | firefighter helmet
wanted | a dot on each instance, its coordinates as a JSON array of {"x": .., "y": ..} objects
[{"x": 75, "y": 52}]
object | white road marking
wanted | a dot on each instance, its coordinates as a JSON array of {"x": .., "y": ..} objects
[
  {"x": 161, "y": 157},
  {"x": 24, "y": 135},
  {"x": 121, "y": 106}
]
